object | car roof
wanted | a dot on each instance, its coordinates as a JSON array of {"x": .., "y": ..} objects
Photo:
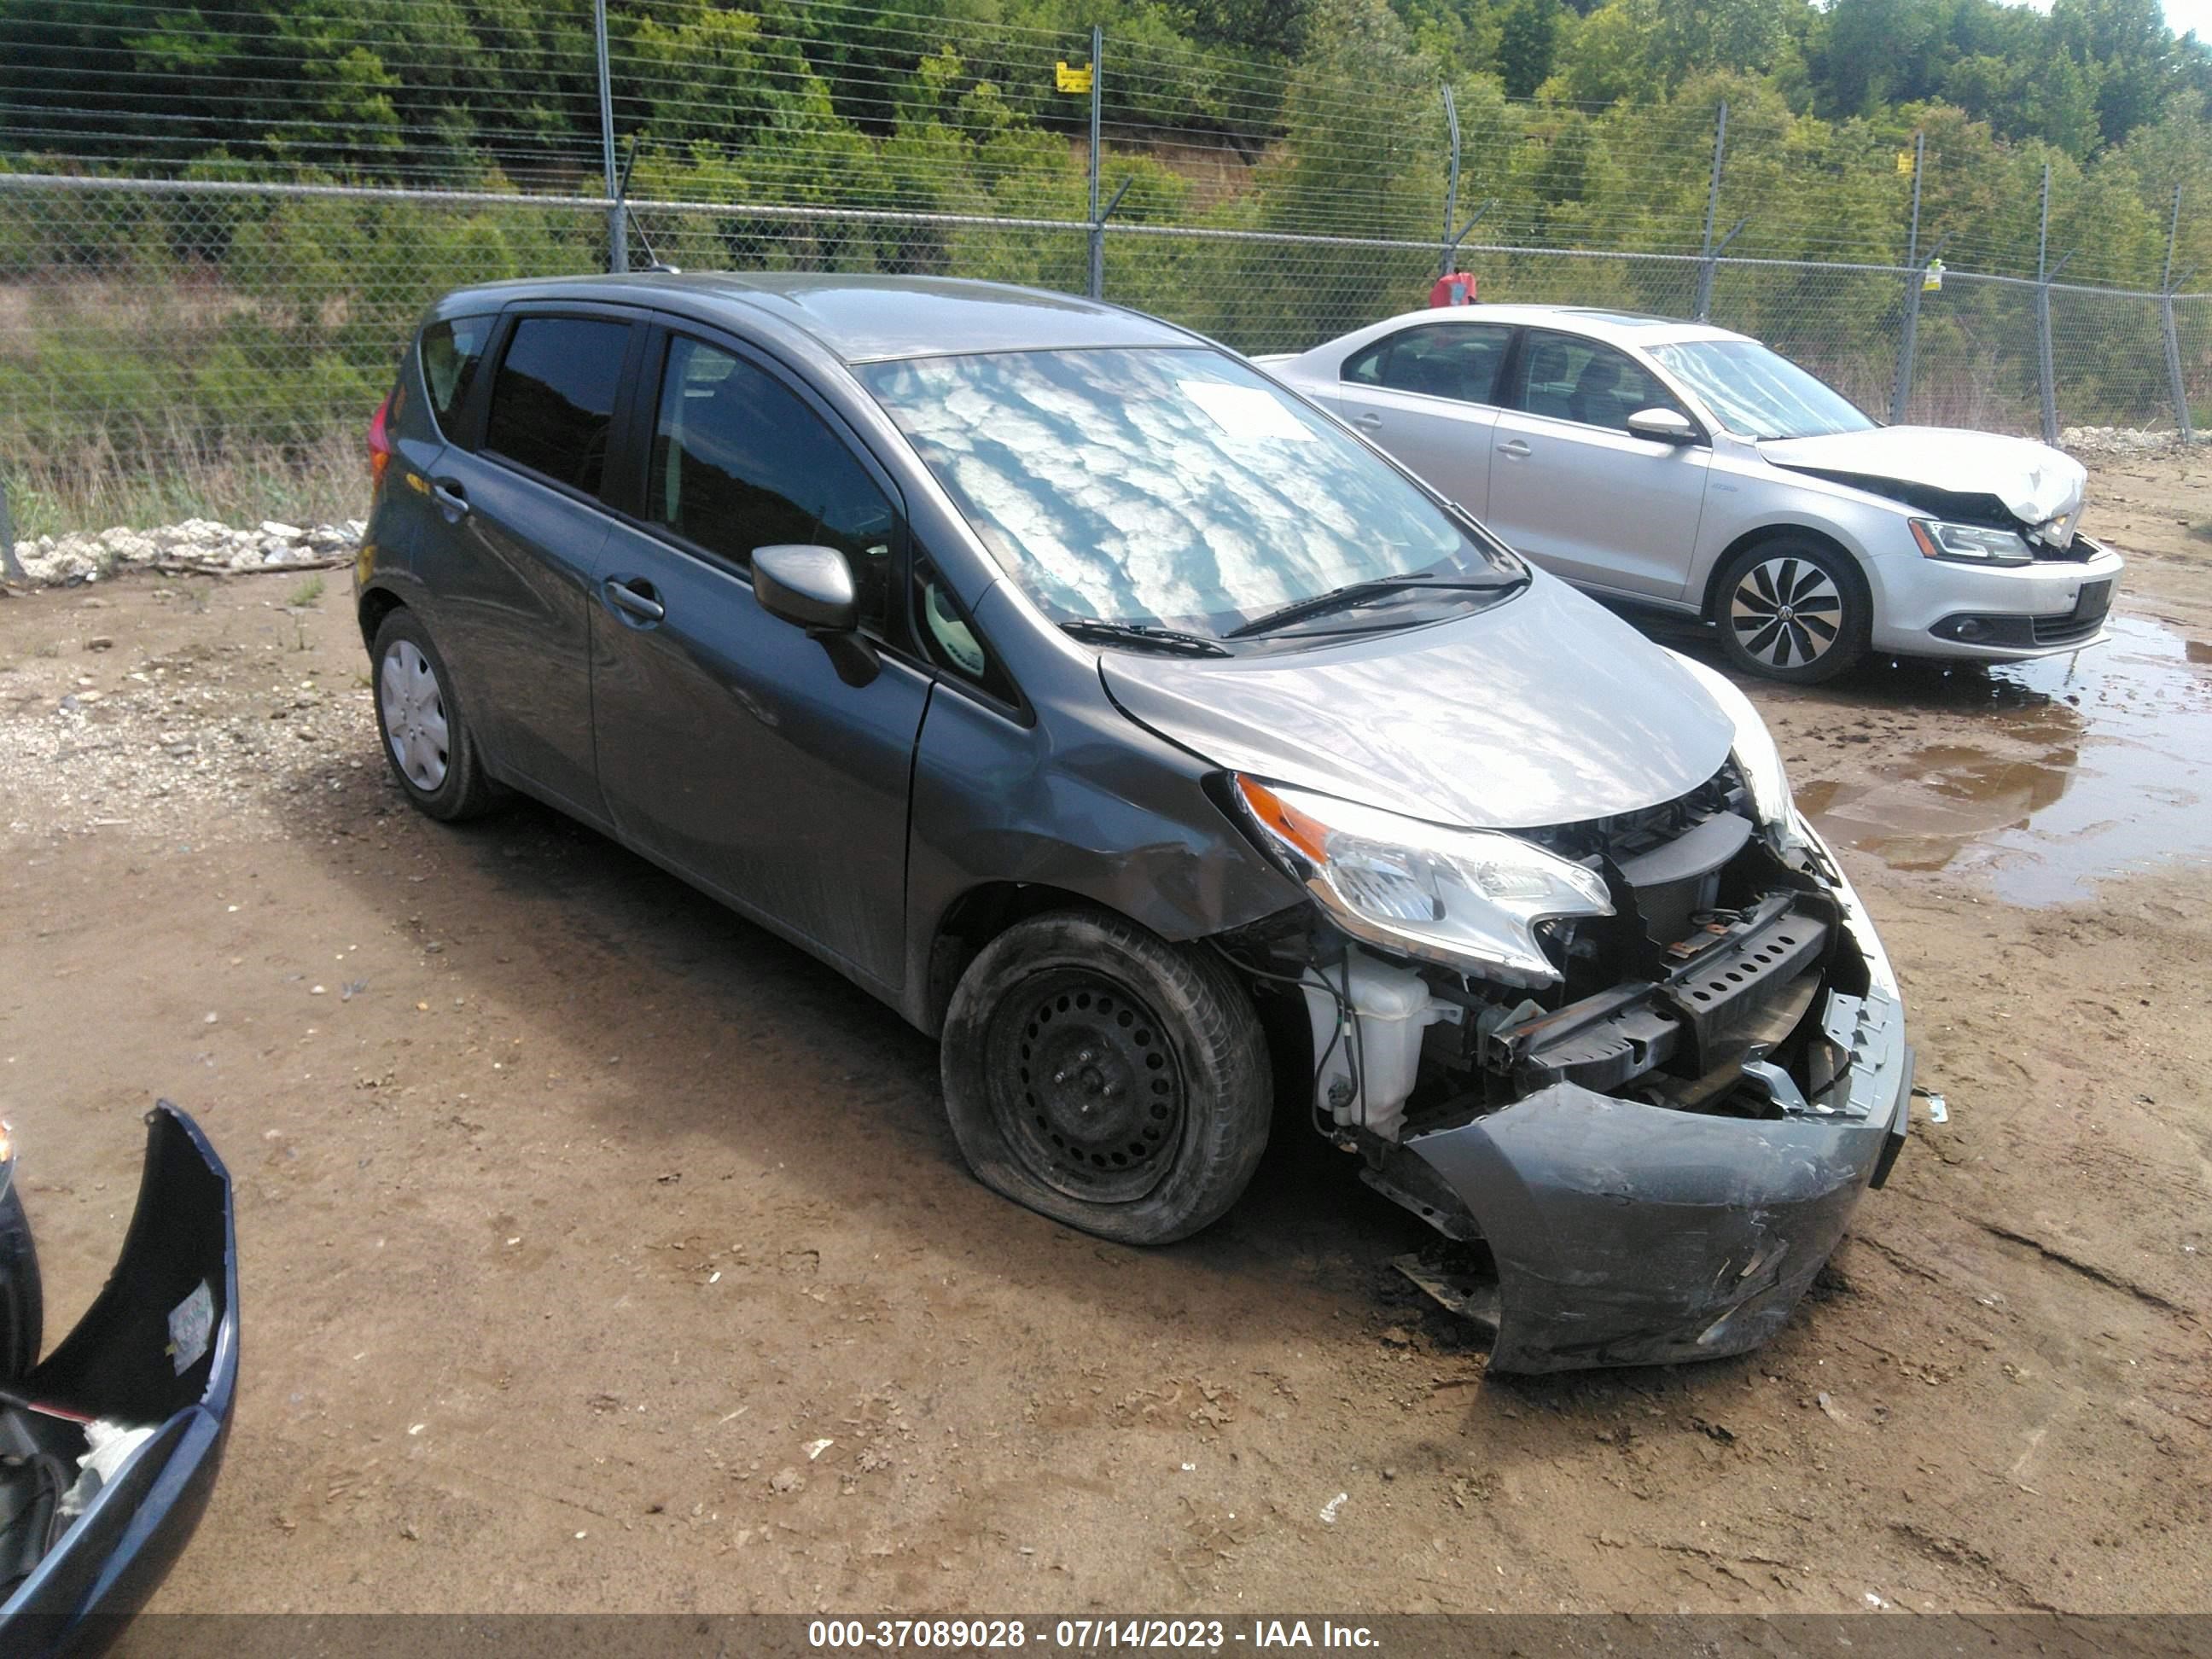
[
  {"x": 1625, "y": 328},
  {"x": 860, "y": 319}
]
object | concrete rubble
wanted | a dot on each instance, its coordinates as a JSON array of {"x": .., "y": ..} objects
[{"x": 81, "y": 557}]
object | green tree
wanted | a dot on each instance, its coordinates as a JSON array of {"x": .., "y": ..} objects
[{"x": 1529, "y": 39}]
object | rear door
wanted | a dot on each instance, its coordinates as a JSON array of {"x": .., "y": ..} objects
[
  {"x": 526, "y": 525},
  {"x": 731, "y": 746},
  {"x": 428, "y": 404},
  {"x": 1428, "y": 394},
  {"x": 1573, "y": 488}
]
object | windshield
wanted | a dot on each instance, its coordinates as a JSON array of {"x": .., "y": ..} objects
[
  {"x": 1170, "y": 487},
  {"x": 1758, "y": 393}
]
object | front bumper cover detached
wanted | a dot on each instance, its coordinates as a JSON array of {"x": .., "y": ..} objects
[
  {"x": 1626, "y": 1233},
  {"x": 158, "y": 1350}
]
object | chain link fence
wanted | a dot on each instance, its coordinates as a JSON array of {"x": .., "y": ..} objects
[{"x": 145, "y": 321}]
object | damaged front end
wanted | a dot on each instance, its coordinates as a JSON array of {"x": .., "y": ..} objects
[
  {"x": 1979, "y": 479},
  {"x": 1658, "y": 1130}
]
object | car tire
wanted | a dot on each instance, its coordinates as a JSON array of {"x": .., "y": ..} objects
[
  {"x": 427, "y": 741},
  {"x": 1106, "y": 1078},
  {"x": 22, "y": 1305},
  {"x": 1793, "y": 609}
]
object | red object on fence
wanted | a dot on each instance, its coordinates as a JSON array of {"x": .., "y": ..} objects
[{"x": 1457, "y": 289}]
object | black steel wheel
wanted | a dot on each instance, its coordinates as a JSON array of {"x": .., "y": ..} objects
[
  {"x": 1085, "y": 1086},
  {"x": 1105, "y": 1078}
]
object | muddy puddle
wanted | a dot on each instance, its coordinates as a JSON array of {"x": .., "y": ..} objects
[{"x": 2060, "y": 772}]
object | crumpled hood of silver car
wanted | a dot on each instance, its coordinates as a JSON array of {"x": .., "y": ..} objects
[
  {"x": 1546, "y": 709},
  {"x": 2035, "y": 482}
]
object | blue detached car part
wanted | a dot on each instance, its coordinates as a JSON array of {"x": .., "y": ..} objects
[{"x": 109, "y": 1447}]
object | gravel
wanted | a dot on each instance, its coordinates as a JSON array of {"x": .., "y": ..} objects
[
  {"x": 185, "y": 709},
  {"x": 196, "y": 545}
]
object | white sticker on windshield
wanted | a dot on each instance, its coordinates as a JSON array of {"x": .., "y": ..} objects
[
  {"x": 1246, "y": 412},
  {"x": 192, "y": 1323}
]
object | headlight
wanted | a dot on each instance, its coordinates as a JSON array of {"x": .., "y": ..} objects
[
  {"x": 1756, "y": 756},
  {"x": 1974, "y": 543},
  {"x": 1471, "y": 898}
]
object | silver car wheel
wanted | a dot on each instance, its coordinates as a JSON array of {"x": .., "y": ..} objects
[
  {"x": 1786, "y": 612},
  {"x": 414, "y": 709}
]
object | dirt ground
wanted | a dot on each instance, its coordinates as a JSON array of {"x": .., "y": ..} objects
[{"x": 600, "y": 1252}]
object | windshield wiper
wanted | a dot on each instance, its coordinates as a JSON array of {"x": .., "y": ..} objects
[
  {"x": 1355, "y": 594},
  {"x": 1098, "y": 630}
]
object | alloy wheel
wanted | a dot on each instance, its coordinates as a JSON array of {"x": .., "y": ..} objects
[{"x": 1786, "y": 612}]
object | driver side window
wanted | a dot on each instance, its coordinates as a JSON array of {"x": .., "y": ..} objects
[{"x": 739, "y": 462}]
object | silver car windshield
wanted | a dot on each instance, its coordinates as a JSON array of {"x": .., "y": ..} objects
[
  {"x": 1758, "y": 393},
  {"x": 1172, "y": 486}
]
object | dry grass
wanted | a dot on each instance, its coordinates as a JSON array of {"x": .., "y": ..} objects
[{"x": 92, "y": 488}]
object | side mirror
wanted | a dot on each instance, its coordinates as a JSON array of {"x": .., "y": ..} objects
[
  {"x": 1663, "y": 426},
  {"x": 809, "y": 587}
]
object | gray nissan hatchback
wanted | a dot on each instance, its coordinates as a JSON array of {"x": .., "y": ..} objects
[{"x": 1128, "y": 723}]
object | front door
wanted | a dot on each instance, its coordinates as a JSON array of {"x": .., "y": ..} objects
[
  {"x": 1428, "y": 395},
  {"x": 729, "y": 745},
  {"x": 1572, "y": 488}
]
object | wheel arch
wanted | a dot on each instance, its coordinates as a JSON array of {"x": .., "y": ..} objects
[
  {"x": 974, "y": 919},
  {"x": 374, "y": 605}
]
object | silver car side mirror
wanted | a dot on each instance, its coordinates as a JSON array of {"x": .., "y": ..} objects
[
  {"x": 1665, "y": 426},
  {"x": 809, "y": 587}
]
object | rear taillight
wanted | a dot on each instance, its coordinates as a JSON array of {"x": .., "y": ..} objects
[{"x": 380, "y": 446}]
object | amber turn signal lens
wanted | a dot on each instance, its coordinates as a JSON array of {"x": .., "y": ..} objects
[{"x": 1307, "y": 835}]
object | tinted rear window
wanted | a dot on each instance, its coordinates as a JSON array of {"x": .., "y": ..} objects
[
  {"x": 555, "y": 397},
  {"x": 451, "y": 352}
]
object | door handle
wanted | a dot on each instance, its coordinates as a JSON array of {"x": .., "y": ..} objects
[
  {"x": 1516, "y": 448},
  {"x": 1367, "y": 421},
  {"x": 635, "y": 595},
  {"x": 451, "y": 498}
]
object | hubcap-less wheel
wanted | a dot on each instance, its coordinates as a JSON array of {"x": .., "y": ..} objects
[
  {"x": 414, "y": 709},
  {"x": 1084, "y": 1087},
  {"x": 1786, "y": 612}
]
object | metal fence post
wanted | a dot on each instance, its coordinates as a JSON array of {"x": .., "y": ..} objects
[
  {"x": 1900, "y": 394},
  {"x": 2181, "y": 420},
  {"x": 11, "y": 566},
  {"x": 1706, "y": 265},
  {"x": 2046, "y": 375},
  {"x": 1451, "y": 184},
  {"x": 1097, "y": 288},
  {"x": 617, "y": 215}
]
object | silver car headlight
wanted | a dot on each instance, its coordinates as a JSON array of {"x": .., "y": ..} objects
[
  {"x": 1755, "y": 756},
  {"x": 1468, "y": 898},
  {"x": 1969, "y": 544}
]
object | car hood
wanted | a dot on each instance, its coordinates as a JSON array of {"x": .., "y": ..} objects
[
  {"x": 2033, "y": 482},
  {"x": 1545, "y": 709}
]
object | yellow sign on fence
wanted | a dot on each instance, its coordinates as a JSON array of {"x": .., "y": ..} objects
[{"x": 1072, "y": 80}]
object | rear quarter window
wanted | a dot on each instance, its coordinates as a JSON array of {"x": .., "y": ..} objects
[{"x": 450, "y": 350}]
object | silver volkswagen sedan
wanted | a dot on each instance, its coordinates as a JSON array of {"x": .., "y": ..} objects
[{"x": 1684, "y": 468}]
